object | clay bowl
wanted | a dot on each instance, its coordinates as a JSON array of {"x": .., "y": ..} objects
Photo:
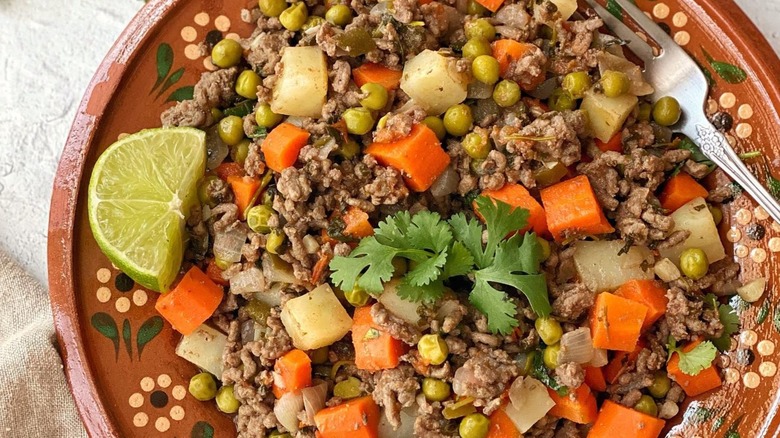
[{"x": 119, "y": 355}]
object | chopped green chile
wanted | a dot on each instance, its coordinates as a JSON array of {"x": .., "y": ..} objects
[{"x": 356, "y": 42}]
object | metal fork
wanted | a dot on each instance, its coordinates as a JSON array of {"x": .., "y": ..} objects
[{"x": 674, "y": 73}]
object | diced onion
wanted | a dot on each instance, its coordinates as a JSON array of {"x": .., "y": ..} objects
[
  {"x": 530, "y": 402},
  {"x": 271, "y": 296},
  {"x": 576, "y": 346},
  {"x": 406, "y": 429},
  {"x": 286, "y": 410},
  {"x": 666, "y": 270},
  {"x": 216, "y": 149},
  {"x": 228, "y": 244},
  {"x": 752, "y": 291},
  {"x": 248, "y": 331},
  {"x": 277, "y": 270},
  {"x": 311, "y": 244},
  {"x": 248, "y": 281},
  {"x": 463, "y": 378},
  {"x": 599, "y": 358},
  {"x": 298, "y": 121},
  {"x": 314, "y": 399},
  {"x": 446, "y": 183}
]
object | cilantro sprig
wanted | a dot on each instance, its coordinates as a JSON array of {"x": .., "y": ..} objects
[
  {"x": 728, "y": 317},
  {"x": 440, "y": 250},
  {"x": 694, "y": 361}
]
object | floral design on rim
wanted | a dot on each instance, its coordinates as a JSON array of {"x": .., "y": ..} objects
[
  {"x": 190, "y": 34},
  {"x": 162, "y": 400}
]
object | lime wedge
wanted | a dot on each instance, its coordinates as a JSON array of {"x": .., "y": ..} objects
[{"x": 140, "y": 193}]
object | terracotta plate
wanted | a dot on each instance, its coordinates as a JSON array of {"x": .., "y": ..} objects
[{"x": 119, "y": 354}]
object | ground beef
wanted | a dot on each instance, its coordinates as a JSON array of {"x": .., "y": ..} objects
[
  {"x": 565, "y": 128},
  {"x": 217, "y": 88},
  {"x": 294, "y": 185},
  {"x": 394, "y": 390},
  {"x": 399, "y": 125},
  {"x": 394, "y": 326},
  {"x": 641, "y": 220},
  {"x": 527, "y": 68},
  {"x": 491, "y": 372},
  {"x": 441, "y": 19},
  {"x": 264, "y": 49},
  {"x": 340, "y": 76},
  {"x": 696, "y": 170},
  {"x": 568, "y": 429},
  {"x": 722, "y": 194},
  {"x": 607, "y": 183},
  {"x": 186, "y": 113},
  {"x": 570, "y": 374},
  {"x": 576, "y": 37},
  {"x": 573, "y": 301},
  {"x": 637, "y": 136},
  {"x": 430, "y": 423},
  {"x": 254, "y": 165},
  {"x": 513, "y": 21},
  {"x": 688, "y": 317}
]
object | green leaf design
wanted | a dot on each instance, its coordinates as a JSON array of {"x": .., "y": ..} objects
[
  {"x": 763, "y": 312},
  {"x": 707, "y": 73},
  {"x": 106, "y": 326},
  {"x": 164, "y": 62},
  {"x": 148, "y": 331},
  {"x": 183, "y": 93},
  {"x": 172, "y": 79},
  {"x": 728, "y": 72},
  {"x": 731, "y": 432},
  {"x": 201, "y": 429},
  {"x": 127, "y": 334},
  {"x": 614, "y": 8}
]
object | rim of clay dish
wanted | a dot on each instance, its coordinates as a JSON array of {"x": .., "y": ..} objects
[{"x": 98, "y": 420}]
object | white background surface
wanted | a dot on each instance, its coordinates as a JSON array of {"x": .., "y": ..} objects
[{"x": 49, "y": 51}]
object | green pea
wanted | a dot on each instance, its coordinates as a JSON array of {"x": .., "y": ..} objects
[
  {"x": 474, "y": 8},
  {"x": 666, "y": 111},
  {"x": 257, "y": 218},
  {"x": 474, "y": 426},
  {"x": 435, "y": 389},
  {"x": 694, "y": 263},
  {"x": 436, "y": 125},
  {"x": 203, "y": 386},
  {"x": 294, "y": 17},
  {"x": 216, "y": 114},
  {"x": 340, "y": 15},
  {"x": 433, "y": 349},
  {"x": 376, "y": 96},
  {"x": 458, "y": 120},
  {"x": 549, "y": 330},
  {"x": 239, "y": 152},
  {"x": 615, "y": 83},
  {"x": 506, "y": 93},
  {"x": 226, "y": 400},
  {"x": 550, "y": 356},
  {"x": 231, "y": 130},
  {"x": 272, "y": 8},
  {"x": 546, "y": 250},
  {"x": 358, "y": 297},
  {"x": 359, "y": 120},
  {"x": 644, "y": 112},
  {"x": 312, "y": 22},
  {"x": 265, "y": 117},
  {"x": 561, "y": 100},
  {"x": 247, "y": 83},
  {"x": 576, "y": 83},
  {"x": 646, "y": 405},
  {"x": 716, "y": 212},
  {"x": 476, "y": 145},
  {"x": 205, "y": 194},
  {"x": 480, "y": 28},
  {"x": 485, "y": 69},
  {"x": 476, "y": 47},
  {"x": 661, "y": 385},
  {"x": 274, "y": 241},
  {"x": 226, "y": 53},
  {"x": 349, "y": 388},
  {"x": 222, "y": 264}
]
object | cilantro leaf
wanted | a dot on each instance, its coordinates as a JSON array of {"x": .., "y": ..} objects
[
  {"x": 501, "y": 219},
  {"x": 494, "y": 304},
  {"x": 730, "y": 320},
  {"x": 469, "y": 233},
  {"x": 393, "y": 230},
  {"x": 694, "y": 361},
  {"x": 428, "y": 231},
  {"x": 368, "y": 266},
  {"x": 428, "y": 293},
  {"x": 459, "y": 261},
  {"x": 427, "y": 269}
]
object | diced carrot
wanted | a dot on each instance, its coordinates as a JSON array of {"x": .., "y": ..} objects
[
  {"x": 617, "y": 420},
  {"x": 651, "y": 293},
  {"x": 679, "y": 190},
  {"x": 518, "y": 196},
  {"x": 594, "y": 378},
  {"x": 506, "y": 51},
  {"x": 424, "y": 2},
  {"x": 572, "y": 209},
  {"x": 501, "y": 426},
  {"x": 356, "y": 223},
  {"x": 706, "y": 380},
  {"x": 245, "y": 190},
  {"x": 578, "y": 406},
  {"x": 321, "y": 267},
  {"x": 616, "y": 322},
  {"x": 293, "y": 372},
  {"x": 491, "y": 5},
  {"x": 214, "y": 272},
  {"x": 226, "y": 170},
  {"x": 419, "y": 156},
  {"x": 621, "y": 361},
  {"x": 356, "y": 418},
  {"x": 191, "y": 302},
  {"x": 374, "y": 349},
  {"x": 282, "y": 146},
  {"x": 615, "y": 144},
  {"x": 378, "y": 74}
]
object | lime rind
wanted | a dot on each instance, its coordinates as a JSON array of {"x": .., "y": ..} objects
[{"x": 141, "y": 190}]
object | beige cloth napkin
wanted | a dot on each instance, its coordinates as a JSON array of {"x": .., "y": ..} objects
[{"x": 34, "y": 397}]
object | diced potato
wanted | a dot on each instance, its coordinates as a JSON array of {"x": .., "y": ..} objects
[
  {"x": 433, "y": 81},
  {"x": 639, "y": 87},
  {"x": 602, "y": 269},
  {"x": 529, "y": 402},
  {"x": 565, "y": 7},
  {"x": 203, "y": 348},
  {"x": 407, "y": 310},
  {"x": 696, "y": 218},
  {"x": 316, "y": 319},
  {"x": 302, "y": 86},
  {"x": 607, "y": 114}
]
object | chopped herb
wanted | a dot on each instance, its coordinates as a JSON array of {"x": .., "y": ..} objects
[
  {"x": 696, "y": 154},
  {"x": 749, "y": 155},
  {"x": 444, "y": 249},
  {"x": 372, "y": 333},
  {"x": 694, "y": 361},
  {"x": 241, "y": 109},
  {"x": 259, "y": 132},
  {"x": 763, "y": 312},
  {"x": 731, "y": 432},
  {"x": 540, "y": 372}
]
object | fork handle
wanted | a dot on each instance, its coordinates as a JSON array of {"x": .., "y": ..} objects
[{"x": 717, "y": 148}]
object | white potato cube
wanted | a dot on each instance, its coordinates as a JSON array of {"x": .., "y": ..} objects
[
  {"x": 602, "y": 269},
  {"x": 607, "y": 114},
  {"x": 316, "y": 319},
  {"x": 696, "y": 218},
  {"x": 302, "y": 86},
  {"x": 433, "y": 81},
  {"x": 204, "y": 348},
  {"x": 407, "y": 310}
]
